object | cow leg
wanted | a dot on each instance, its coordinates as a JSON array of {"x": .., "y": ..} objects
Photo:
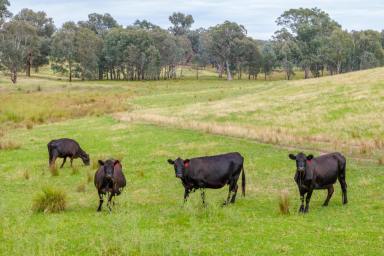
[
  {"x": 65, "y": 159},
  {"x": 52, "y": 158},
  {"x": 71, "y": 160},
  {"x": 100, "y": 202},
  {"x": 307, "y": 199},
  {"x": 234, "y": 190},
  {"x": 203, "y": 196},
  {"x": 186, "y": 194},
  {"x": 330, "y": 192},
  {"x": 228, "y": 197},
  {"x": 109, "y": 201},
  {"x": 343, "y": 185},
  {"x": 301, "y": 209}
]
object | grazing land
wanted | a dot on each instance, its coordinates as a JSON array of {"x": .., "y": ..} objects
[{"x": 145, "y": 123}]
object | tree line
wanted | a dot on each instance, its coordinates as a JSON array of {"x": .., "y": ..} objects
[{"x": 100, "y": 48}]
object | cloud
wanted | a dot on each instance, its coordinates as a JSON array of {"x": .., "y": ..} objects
[{"x": 257, "y": 16}]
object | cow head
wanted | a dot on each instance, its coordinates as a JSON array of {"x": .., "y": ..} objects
[
  {"x": 301, "y": 161},
  {"x": 85, "y": 157},
  {"x": 109, "y": 168},
  {"x": 180, "y": 165}
]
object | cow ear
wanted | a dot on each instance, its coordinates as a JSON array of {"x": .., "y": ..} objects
[
  {"x": 292, "y": 156},
  {"x": 101, "y": 163},
  {"x": 116, "y": 162},
  {"x": 309, "y": 157},
  {"x": 171, "y": 161}
]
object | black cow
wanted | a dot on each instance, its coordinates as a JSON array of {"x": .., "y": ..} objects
[
  {"x": 109, "y": 180},
  {"x": 210, "y": 172},
  {"x": 64, "y": 148},
  {"x": 319, "y": 173}
]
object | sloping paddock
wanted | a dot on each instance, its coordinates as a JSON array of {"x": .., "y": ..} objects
[{"x": 275, "y": 136}]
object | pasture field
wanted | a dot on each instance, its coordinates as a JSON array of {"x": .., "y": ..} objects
[{"x": 145, "y": 123}]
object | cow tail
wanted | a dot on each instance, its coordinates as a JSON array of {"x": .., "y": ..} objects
[{"x": 243, "y": 181}]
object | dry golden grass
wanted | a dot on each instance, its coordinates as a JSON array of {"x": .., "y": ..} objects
[
  {"x": 9, "y": 145},
  {"x": 26, "y": 175},
  {"x": 284, "y": 202},
  {"x": 53, "y": 170},
  {"x": 89, "y": 177},
  {"x": 81, "y": 188}
]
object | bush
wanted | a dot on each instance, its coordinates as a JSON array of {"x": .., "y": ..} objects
[{"x": 49, "y": 201}]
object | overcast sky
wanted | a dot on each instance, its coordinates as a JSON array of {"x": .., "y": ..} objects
[{"x": 258, "y": 16}]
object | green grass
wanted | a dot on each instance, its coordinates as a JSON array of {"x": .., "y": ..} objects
[
  {"x": 149, "y": 217},
  {"x": 187, "y": 118}
]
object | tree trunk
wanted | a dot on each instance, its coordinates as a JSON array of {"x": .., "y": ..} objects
[
  {"x": 229, "y": 75},
  {"x": 306, "y": 73},
  {"x": 70, "y": 72},
  {"x": 29, "y": 63},
  {"x": 197, "y": 72},
  {"x": 100, "y": 73},
  {"x": 14, "y": 75}
]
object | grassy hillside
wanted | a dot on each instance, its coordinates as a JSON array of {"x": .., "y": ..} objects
[{"x": 145, "y": 123}]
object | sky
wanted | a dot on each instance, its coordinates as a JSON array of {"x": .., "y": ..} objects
[{"x": 258, "y": 16}]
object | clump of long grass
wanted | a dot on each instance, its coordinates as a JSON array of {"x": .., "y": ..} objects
[
  {"x": 29, "y": 125},
  {"x": 53, "y": 170},
  {"x": 26, "y": 175},
  {"x": 9, "y": 145},
  {"x": 81, "y": 188},
  {"x": 50, "y": 200},
  {"x": 75, "y": 170},
  {"x": 380, "y": 161},
  {"x": 89, "y": 177},
  {"x": 284, "y": 202}
]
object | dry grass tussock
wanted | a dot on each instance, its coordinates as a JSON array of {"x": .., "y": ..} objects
[
  {"x": 50, "y": 200},
  {"x": 9, "y": 145},
  {"x": 284, "y": 202}
]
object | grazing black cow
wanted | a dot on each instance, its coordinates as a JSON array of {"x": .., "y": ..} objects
[
  {"x": 64, "y": 148},
  {"x": 319, "y": 173},
  {"x": 210, "y": 172},
  {"x": 109, "y": 180}
]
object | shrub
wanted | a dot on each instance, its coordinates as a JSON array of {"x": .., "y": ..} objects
[
  {"x": 49, "y": 201},
  {"x": 284, "y": 202}
]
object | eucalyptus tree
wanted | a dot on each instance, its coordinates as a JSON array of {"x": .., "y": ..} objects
[
  {"x": 64, "y": 52},
  {"x": 101, "y": 24},
  {"x": 38, "y": 55},
  {"x": 268, "y": 59},
  {"x": 222, "y": 44},
  {"x": 4, "y": 12},
  {"x": 16, "y": 38},
  {"x": 307, "y": 26},
  {"x": 181, "y": 23},
  {"x": 287, "y": 51}
]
